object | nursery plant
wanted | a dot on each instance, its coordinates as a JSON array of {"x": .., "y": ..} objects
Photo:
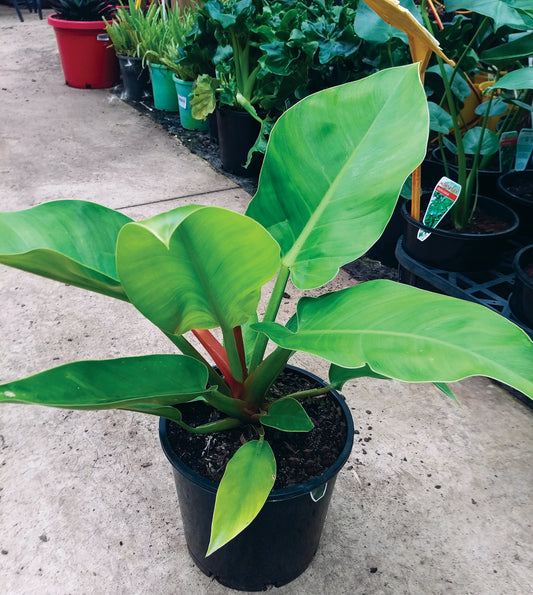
[
  {"x": 82, "y": 10},
  {"x": 332, "y": 173},
  {"x": 475, "y": 146},
  {"x": 125, "y": 31}
]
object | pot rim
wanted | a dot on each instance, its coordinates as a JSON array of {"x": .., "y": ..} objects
[
  {"x": 520, "y": 260},
  {"x": 502, "y": 179},
  {"x": 514, "y": 223},
  {"x": 435, "y": 154},
  {"x": 80, "y": 25},
  {"x": 279, "y": 494}
]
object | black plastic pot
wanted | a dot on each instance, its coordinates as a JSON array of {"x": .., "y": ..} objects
[
  {"x": 520, "y": 203},
  {"x": 487, "y": 178},
  {"x": 135, "y": 78},
  {"x": 237, "y": 133},
  {"x": 459, "y": 251},
  {"x": 383, "y": 250},
  {"x": 521, "y": 299},
  {"x": 280, "y": 542}
]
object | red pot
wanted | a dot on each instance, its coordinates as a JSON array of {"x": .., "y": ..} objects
[{"x": 87, "y": 59}]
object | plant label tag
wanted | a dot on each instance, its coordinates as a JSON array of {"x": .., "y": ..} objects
[
  {"x": 508, "y": 141},
  {"x": 442, "y": 200},
  {"x": 182, "y": 101},
  {"x": 524, "y": 148}
]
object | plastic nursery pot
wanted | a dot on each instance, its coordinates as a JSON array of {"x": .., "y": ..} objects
[
  {"x": 487, "y": 178},
  {"x": 163, "y": 88},
  {"x": 521, "y": 298},
  {"x": 516, "y": 190},
  {"x": 87, "y": 60},
  {"x": 135, "y": 78},
  {"x": 184, "y": 91},
  {"x": 451, "y": 250},
  {"x": 280, "y": 542},
  {"x": 237, "y": 133}
]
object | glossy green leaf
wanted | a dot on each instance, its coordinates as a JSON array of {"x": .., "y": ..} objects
[
  {"x": 409, "y": 334},
  {"x": 516, "y": 80},
  {"x": 338, "y": 375},
  {"x": 370, "y": 27},
  {"x": 513, "y": 13},
  {"x": 496, "y": 107},
  {"x": 245, "y": 486},
  {"x": 509, "y": 52},
  {"x": 322, "y": 193},
  {"x": 196, "y": 267},
  {"x": 116, "y": 383},
  {"x": 287, "y": 415},
  {"x": 489, "y": 146},
  {"x": 440, "y": 119},
  {"x": 66, "y": 240}
]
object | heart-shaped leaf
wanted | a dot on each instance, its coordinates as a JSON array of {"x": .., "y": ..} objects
[
  {"x": 328, "y": 205},
  {"x": 196, "y": 267},
  {"x": 287, "y": 415},
  {"x": 67, "y": 240},
  {"x": 409, "y": 334}
]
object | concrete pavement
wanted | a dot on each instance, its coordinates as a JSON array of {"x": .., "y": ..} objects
[{"x": 435, "y": 498}]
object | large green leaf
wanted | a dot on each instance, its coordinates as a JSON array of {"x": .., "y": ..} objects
[
  {"x": 116, "y": 383},
  {"x": 322, "y": 191},
  {"x": 244, "y": 488},
  {"x": 513, "y": 13},
  {"x": 518, "y": 47},
  {"x": 196, "y": 267},
  {"x": 66, "y": 240},
  {"x": 409, "y": 334},
  {"x": 516, "y": 80}
]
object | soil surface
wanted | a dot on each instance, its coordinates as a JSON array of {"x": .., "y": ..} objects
[
  {"x": 523, "y": 190},
  {"x": 300, "y": 457}
]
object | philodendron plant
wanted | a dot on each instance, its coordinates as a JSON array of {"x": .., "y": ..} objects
[{"x": 333, "y": 170}]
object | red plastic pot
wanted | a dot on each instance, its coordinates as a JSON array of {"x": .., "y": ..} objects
[{"x": 87, "y": 60}]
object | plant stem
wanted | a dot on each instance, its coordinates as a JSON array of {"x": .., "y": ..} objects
[
  {"x": 315, "y": 392},
  {"x": 270, "y": 315},
  {"x": 187, "y": 349}
]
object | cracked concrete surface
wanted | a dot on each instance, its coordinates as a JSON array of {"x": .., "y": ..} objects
[{"x": 435, "y": 498}]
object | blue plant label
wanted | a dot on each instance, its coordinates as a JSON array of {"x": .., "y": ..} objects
[
  {"x": 442, "y": 200},
  {"x": 524, "y": 148}
]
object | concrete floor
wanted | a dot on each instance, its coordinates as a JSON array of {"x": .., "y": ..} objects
[{"x": 435, "y": 497}]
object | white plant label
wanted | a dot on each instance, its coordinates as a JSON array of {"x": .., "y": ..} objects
[
  {"x": 442, "y": 200},
  {"x": 182, "y": 101}
]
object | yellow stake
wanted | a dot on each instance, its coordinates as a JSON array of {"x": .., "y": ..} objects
[{"x": 421, "y": 45}]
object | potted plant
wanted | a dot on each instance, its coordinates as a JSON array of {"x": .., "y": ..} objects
[
  {"x": 516, "y": 189},
  {"x": 329, "y": 183},
  {"x": 256, "y": 72},
  {"x": 477, "y": 227},
  {"x": 521, "y": 298},
  {"x": 87, "y": 60},
  {"x": 125, "y": 35}
]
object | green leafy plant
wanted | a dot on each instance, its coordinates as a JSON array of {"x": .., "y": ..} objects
[
  {"x": 125, "y": 30},
  {"x": 332, "y": 173},
  {"x": 474, "y": 146},
  {"x": 82, "y": 10}
]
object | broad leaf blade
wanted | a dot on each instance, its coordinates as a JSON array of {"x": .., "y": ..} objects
[
  {"x": 516, "y": 80},
  {"x": 516, "y": 14},
  {"x": 196, "y": 267},
  {"x": 287, "y": 415},
  {"x": 409, "y": 334},
  {"x": 328, "y": 205},
  {"x": 107, "y": 384},
  {"x": 67, "y": 240},
  {"x": 245, "y": 486}
]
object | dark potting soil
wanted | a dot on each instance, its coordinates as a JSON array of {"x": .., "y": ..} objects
[
  {"x": 523, "y": 190},
  {"x": 300, "y": 456},
  {"x": 482, "y": 222}
]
